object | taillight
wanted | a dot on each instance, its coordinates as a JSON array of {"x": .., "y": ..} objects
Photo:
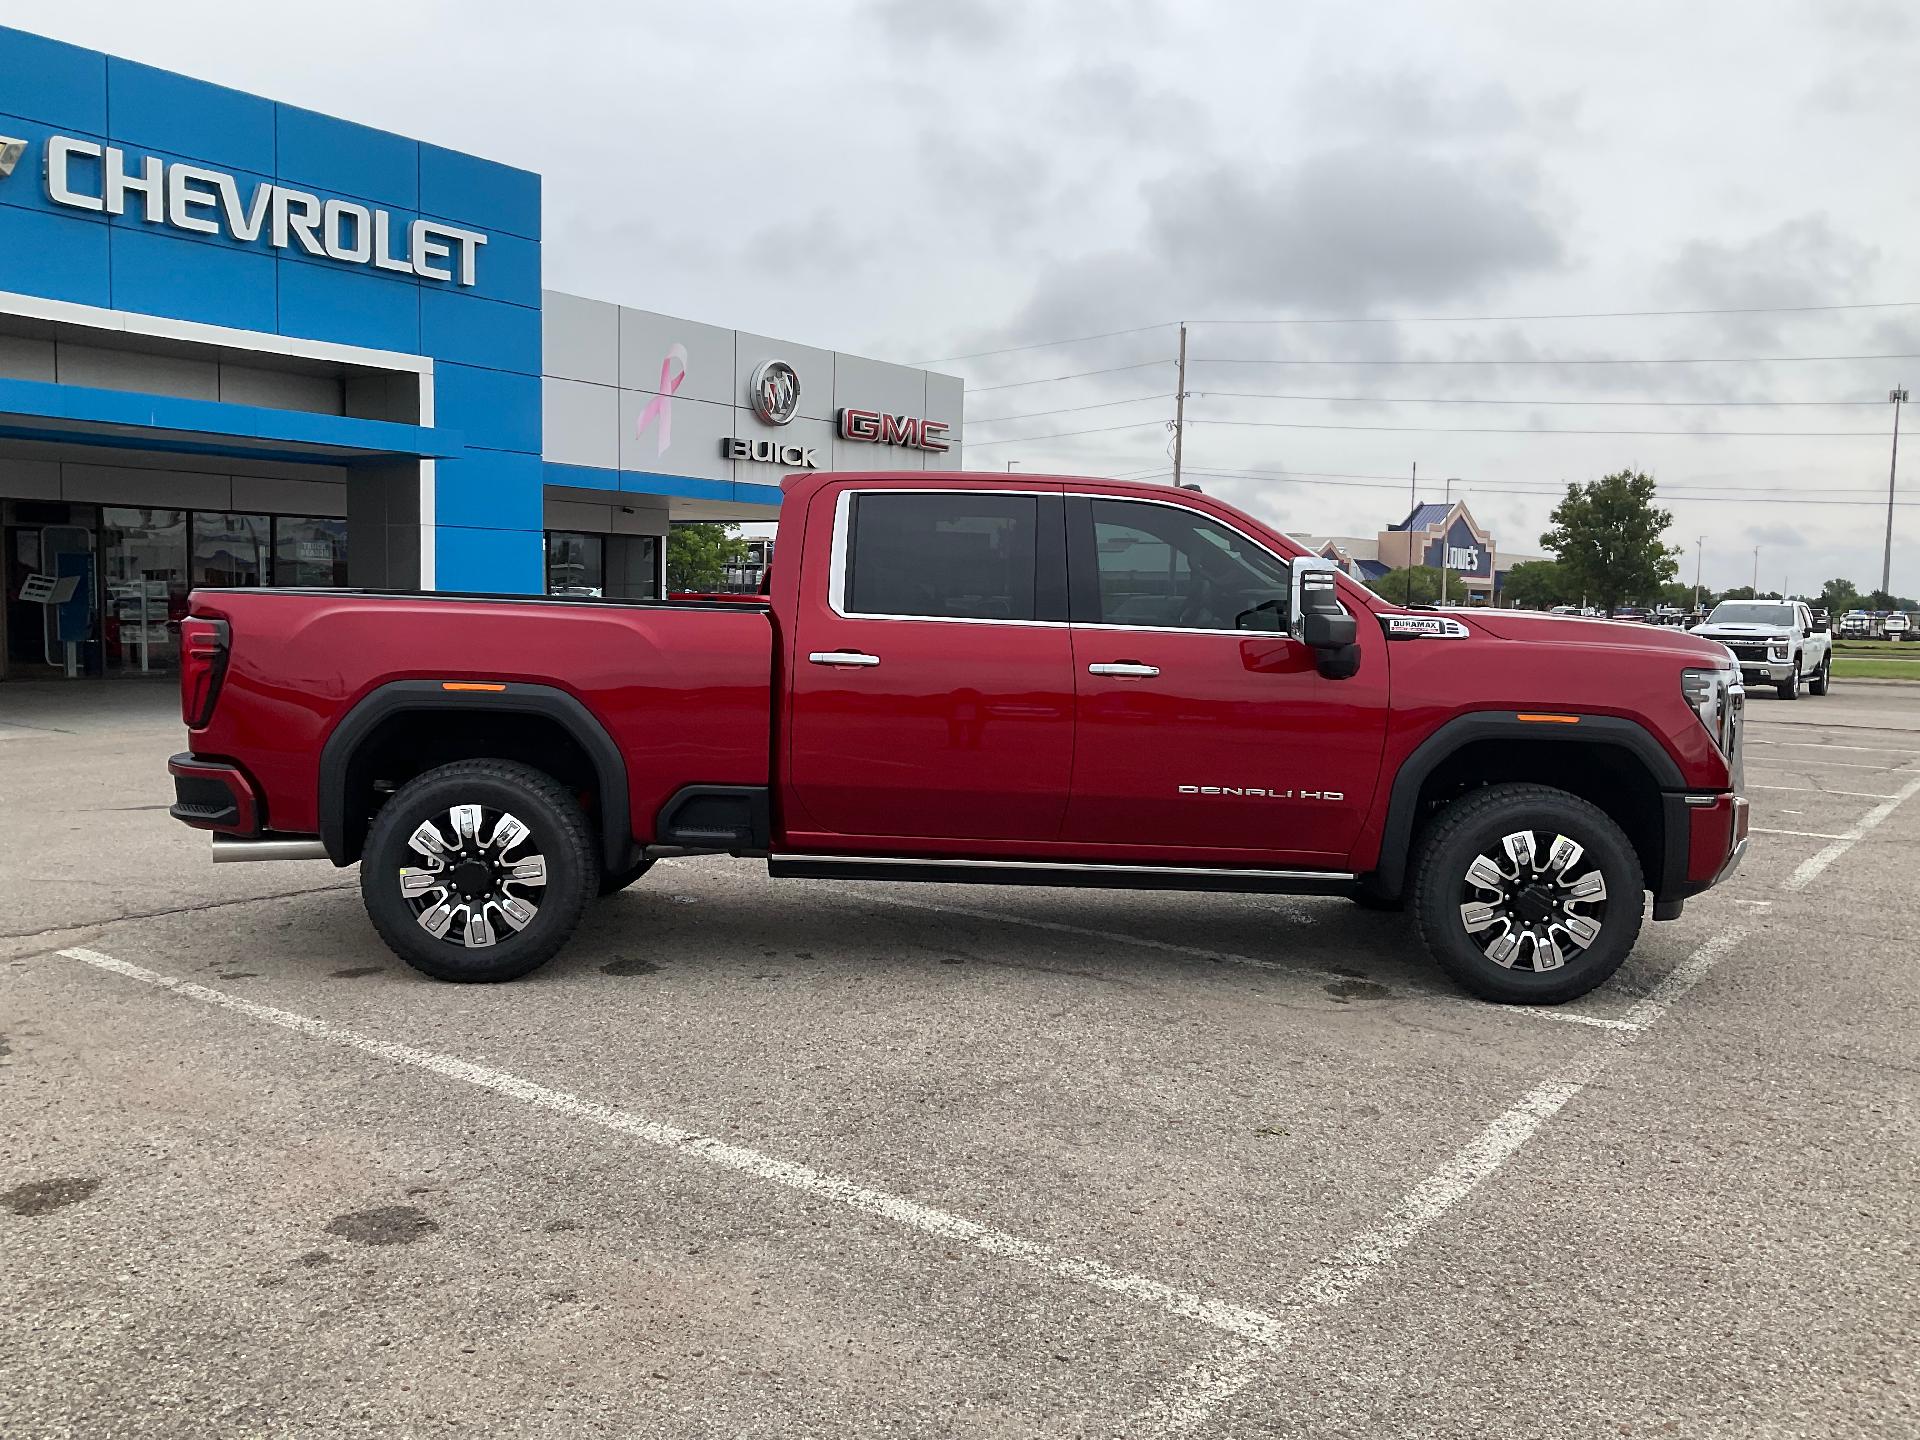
[{"x": 203, "y": 665}]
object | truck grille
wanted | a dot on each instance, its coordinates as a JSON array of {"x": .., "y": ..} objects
[{"x": 1748, "y": 649}]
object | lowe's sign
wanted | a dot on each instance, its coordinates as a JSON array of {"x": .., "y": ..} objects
[{"x": 89, "y": 176}]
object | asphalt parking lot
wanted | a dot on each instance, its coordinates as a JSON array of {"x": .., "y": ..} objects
[{"x": 827, "y": 1159}]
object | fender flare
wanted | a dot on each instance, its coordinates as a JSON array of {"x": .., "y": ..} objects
[
  {"x": 1396, "y": 836},
  {"x": 400, "y": 696}
]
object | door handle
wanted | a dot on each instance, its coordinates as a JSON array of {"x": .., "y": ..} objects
[
  {"x": 842, "y": 657},
  {"x": 1125, "y": 667}
]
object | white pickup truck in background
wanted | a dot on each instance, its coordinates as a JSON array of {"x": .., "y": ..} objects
[{"x": 1777, "y": 642}]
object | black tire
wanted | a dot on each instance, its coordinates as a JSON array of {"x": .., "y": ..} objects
[
  {"x": 1477, "y": 824},
  {"x": 1367, "y": 894},
  {"x": 612, "y": 882},
  {"x": 1789, "y": 688},
  {"x": 557, "y": 832},
  {"x": 1822, "y": 680}
]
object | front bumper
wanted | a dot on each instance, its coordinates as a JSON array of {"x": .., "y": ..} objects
[{"x": 1767, "y": 672}]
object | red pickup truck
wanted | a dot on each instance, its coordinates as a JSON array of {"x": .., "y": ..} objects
[{"x": 1027, "y": 680}]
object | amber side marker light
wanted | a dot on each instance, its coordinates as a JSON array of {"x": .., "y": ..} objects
[
  {"x": 468, "y": 685},
  {"x": 1549, "y": 719}
]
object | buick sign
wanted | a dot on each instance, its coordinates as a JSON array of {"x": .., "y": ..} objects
[{"x": 775, "y": 391}]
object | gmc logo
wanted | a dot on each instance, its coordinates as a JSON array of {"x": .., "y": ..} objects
[{"x": 909, "y": 431}]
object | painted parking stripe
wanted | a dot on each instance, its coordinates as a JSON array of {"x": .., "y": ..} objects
[
  {"x": 1804, "y": 834},
  {"x": 1822, "y": 745},
  {"x": 1218, "y": 1377},
  {"x": 1821, "y": 790},
  {"x": 1794, "y": 763},
  {"x": 1228, "y": 957},
  {"x": 1236, "y": 1320},
  {"x": 1812, "y": 867}
]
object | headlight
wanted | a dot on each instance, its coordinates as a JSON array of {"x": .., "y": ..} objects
[
  {"x": 1717, "y": 698},
  {"x": 1779, "y": 649}
]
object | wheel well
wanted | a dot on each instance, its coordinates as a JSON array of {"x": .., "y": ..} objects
[
  {"x": 1610, "y": 777},
  {"x": 411, "y": 742}
]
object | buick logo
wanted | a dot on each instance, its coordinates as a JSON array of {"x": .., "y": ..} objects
[{"x": 776, "y": 391}]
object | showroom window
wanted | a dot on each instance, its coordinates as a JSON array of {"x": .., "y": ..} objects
[{"x": 576, "y": 563}]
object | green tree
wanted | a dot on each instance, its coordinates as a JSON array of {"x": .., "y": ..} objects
[
  {"x": 1739, "y": 592},
  {"x": 1536, "y": 585},
  {"x": 1606, "y": 535},
  {"x": 1413, "y": 585},
  {"x": 1837, "y": 597},
  {"x": 698, "y": 553}
]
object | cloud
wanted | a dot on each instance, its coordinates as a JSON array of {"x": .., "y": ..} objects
[
  {"x": 1409, "y": 104},
  {"x": 975, "y": 25},
  {"x": 1114, "y": 102},
  {"x": 1798, "y": 262}
]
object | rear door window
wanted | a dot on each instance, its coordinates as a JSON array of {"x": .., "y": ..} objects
[{"x": 946, "y": 556}]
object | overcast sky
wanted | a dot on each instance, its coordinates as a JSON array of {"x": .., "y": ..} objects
[{"x": 918, "y": 179}]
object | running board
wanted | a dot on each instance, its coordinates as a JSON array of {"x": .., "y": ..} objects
[{"x": 1048, "y": 872}]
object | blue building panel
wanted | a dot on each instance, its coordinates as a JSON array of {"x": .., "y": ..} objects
[
  {"x": 331, "y": 156},
  {"x": 86, "y": 174},
  {"x": 464, "y": 328},
  {"x": 349, "y": 305},
  {"x": 217, "y": 285},
  {"x": 482, "y": 193},
  {"x": 56, "y": 256},
  {"x": 53, "y": 82},
  {"x": 490, "y": 490},
  {"x": 507, "y": 268},
  {"x": 492, "y": 409},
  {"x": 489, "y": 561},
  {"x": 159, "y": 110},
  {"x": 26, "y": 188}
]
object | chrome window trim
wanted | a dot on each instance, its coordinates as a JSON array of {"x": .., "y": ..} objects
[{"x": 837, "y": 560}]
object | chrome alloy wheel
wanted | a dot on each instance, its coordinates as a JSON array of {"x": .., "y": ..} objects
[
  {"x": 469, "y": 886},
  {"x": 1523, "y": 904}
]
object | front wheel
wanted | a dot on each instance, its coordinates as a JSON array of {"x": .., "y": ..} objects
[
  {"x": 1527, "y": 895},
  {"x": 1822, "y": 680},
  {"x": 1789, "y": 688},
  {"x": 479, "y": 870}
]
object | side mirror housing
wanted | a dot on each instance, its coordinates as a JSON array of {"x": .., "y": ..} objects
[
  {"x": 1820, "y": 627},
  {"x": 1320, "y": 621}
]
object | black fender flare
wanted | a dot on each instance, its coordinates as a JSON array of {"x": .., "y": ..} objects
[
  {"x": 1396, "y": 836},
  {"x": 398, "y": 696}
]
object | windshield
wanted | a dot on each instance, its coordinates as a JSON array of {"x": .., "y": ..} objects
[{"x": 1746, "y": 612}]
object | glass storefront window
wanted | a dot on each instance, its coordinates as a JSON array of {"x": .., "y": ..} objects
[
  {"x": 143, "y": 557},
  {"x": 309, "y": 550},
  {"x": 231, "y": 550},
  {"x": 576, "y": 563}
]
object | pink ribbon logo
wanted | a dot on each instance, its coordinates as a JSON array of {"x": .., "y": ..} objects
[{"x": 660, "y": 407}]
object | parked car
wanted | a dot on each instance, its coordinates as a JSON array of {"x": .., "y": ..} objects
[
  {"x": 1856, "y": 625},
  {"x": 1898, "y": 625},
  {"x": 1637, "y": 614},
  {"x": 1777, "y": 642},
  {"x": 1019, "y": 680}
]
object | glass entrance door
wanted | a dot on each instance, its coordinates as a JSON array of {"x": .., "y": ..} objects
[{"x": 144, "y": 569}]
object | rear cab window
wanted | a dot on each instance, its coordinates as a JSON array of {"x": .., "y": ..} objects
[{"x": 951, "y": 555}]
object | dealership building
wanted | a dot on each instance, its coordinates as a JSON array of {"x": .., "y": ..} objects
[{"x": 243, "y": 343}]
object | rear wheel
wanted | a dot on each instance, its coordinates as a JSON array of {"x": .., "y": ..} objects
[
  {"x": 1526, "y": 894},
  {"x": 479, "y": 870}
]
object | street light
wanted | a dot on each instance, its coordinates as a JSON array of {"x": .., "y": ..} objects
[
  {"x": 1699, "y": 554},
  {"x": 1010, "y": 465},
  {"x": 1897, "y": 398}
]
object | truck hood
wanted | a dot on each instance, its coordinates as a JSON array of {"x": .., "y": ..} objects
[{"x": 1532, "y": 627}]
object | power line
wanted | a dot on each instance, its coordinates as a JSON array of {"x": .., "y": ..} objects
[
  {"x": 1543, "y": 430},
  {"x": 1605, "y": 360},
  {"x": 1469, "y": 488},
  {"x": 1576, "y": 315},
  {"x": 1064, "y": 434},
  {"x": 1064, "y": 410},
  {"x": 1457, "y": 400},
  {"x": 1047, "y": 344},
  {"x": 1077, "y": 375}
]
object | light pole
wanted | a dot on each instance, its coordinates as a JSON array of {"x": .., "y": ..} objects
[
  {"x": 1010, "y": 465},
  {"x": 1699, "y": 554},
  {"x": 1756, "y": 572},
  {"x": 1898, "y": 398}
]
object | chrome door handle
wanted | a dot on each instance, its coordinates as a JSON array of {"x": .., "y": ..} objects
[
  {"x": 1125, "y": 667},
  {"x": 842, "y": 657}
]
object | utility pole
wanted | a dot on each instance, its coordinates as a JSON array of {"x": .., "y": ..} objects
[
  {"x": 1180, "y": 407},
  {"x": 1756, "y": 572},
  {"x": 1699, "y": 554},
  {"x": 1443, "y": 547},
  {"x": 1899, "y": 398},
  {"x": 1413, "y": 488}
]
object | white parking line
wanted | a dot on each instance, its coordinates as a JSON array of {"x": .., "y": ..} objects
[
  {"x": 1225, "y": 957},
  {"x": 1235, "y": 1320},
  {"x": 1220, "y": 1376},
  {"x": 1789, "y": 763},
  {"x": 1804, "y": 834},
  {"x": 1822, "y": 745},
  {"x": 1811, "y": 868},
  {"x": 1819, "y": 790}
]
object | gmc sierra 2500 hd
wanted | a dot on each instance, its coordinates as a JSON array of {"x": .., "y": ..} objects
[{"x": 1031, "y": 681}]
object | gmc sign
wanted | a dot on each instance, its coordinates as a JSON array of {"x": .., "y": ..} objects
[{"x": 909, "y": 431}]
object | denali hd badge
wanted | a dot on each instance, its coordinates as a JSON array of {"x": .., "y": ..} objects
[
  {"x": 1260, "y": 792},
  {"x": 1424, "y": 627}
]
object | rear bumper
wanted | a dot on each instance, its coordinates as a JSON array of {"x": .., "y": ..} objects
[{"x": 213, "y": 795}]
